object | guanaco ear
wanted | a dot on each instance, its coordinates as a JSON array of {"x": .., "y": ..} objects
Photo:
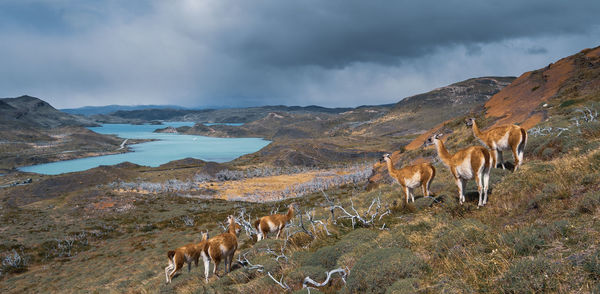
[{"x": 438, "y": 135}]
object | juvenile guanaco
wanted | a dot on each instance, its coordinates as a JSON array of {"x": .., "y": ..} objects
[
  {"x": 468, "y": 163},
  {"x": 501, "y": 138},
  {"x": 185, "y": 254},
  {"x": 221, "y": 247},
  {"x": 272, "y": 223},
  {"x": 412, "y": 176}
]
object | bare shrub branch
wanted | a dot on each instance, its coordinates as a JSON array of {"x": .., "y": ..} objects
[{"x": 308, "y": 280}]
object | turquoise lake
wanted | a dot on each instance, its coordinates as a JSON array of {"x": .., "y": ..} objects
[{"x": 168, "y": 147}]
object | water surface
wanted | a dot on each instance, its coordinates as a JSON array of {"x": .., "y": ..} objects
[{"x": 167, "y": 147}]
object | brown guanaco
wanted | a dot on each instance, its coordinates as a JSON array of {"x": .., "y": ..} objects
[
  {"x": 274, "y": 222},
  {"x": 185, "y": 254},
  {"x": 411, "y": 176},
  {"x": 473, "y": 162},
  {"x": 501, "y": 138},
  {"x": 221, "y": 247}
]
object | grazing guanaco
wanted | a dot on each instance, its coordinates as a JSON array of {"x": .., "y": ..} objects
[
  {"x": 272, "y": 223},
  {"x": 185, "y": 254},
  {"x": 221, "y": 247},
  {"x": 411, "y": 176},
  {"x": 501, "y": 138},
  {"x": 468, "y": 163}
]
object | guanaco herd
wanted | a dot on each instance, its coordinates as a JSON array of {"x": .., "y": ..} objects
[
  {"x": 222, "y": 247},
  {"x": 474, "y": 162}
]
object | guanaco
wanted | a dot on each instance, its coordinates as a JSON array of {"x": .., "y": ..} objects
[
  {"x": 221, "y": 247},
  {"x": 501, "y": 138},
  {"x": 272, "y": 223},
  {"x": 411, "y": 176},
  {"x": 468, "y": 163},
  {"x": 185, "y": 254}
]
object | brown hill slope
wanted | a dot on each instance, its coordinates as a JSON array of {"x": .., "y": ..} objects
[
  {"x": 522, "y": 101},
  {"x": 518, "y": 102}
]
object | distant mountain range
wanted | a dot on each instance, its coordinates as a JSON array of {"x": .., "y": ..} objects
[{"x": 91, "y": 110}]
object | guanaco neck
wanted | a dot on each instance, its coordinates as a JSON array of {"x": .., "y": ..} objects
[
  {"x": 390, "y": 166},
  {"x": 476, "y": 130},
  {"x": 231, "y": 229},
  {"x": 442, "y": 151},
  {"x": 290, "y": 214}
]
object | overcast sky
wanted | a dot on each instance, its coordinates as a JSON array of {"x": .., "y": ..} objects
[{"x": 263, "y": 52}]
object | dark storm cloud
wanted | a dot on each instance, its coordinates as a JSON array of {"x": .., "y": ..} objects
[
  {"x": 335, "y": 33},
  {"x": 228, "y": 53}
]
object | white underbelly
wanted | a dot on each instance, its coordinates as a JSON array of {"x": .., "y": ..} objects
[
  {"x": 502, "y": 144},
  {"x": 464, "y": 169},
  {"x": 272, "y": 226},
  {"x": 414, "y": 181}
]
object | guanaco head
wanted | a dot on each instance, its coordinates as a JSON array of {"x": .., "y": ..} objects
[
  {"x": 385, "y": 157},
  {"x": 294, "y": 207},
  {"x": 233, "y": 226},
  {"x": 469, "y": 121},
  {"x": 431, "y": 140},
  {"x": 204, "y": 236}
]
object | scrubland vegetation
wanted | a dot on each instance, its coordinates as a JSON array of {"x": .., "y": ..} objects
[{"x": 539, "y": 232}]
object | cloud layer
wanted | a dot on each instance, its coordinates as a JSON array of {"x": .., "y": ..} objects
[{"x": 241, "y": 53}]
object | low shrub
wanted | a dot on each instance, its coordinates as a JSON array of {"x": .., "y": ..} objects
[
  {"x": 589, "y": 202},
  {"x": 394, "y": 238},
  {"x": 328, "y": 256},
  {"x": 538, "y": 275},
  {"x": 592, "y": 265},
  {"x": 467, "y": 234},
  {"x": 419, "y": 227},
  {"x": 378, "y": 269},
  {"x": 350, "y": 258},
  {"x": 403, "y": 286},
  {"x": 590, "y": 129},
  {"x": 13, "y": 262},
  {"x": 528, "y": 240}
]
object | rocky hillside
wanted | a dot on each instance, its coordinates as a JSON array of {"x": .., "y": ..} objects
[
  {"x": 419, "y": 113},
  {"x": 32, "y": 131},
  {"x": 27, "y": 111}
]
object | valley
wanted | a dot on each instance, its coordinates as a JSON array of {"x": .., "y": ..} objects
[{"x": 108, "y": 229}]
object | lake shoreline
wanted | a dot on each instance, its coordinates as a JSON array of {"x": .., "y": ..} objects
[{"x": 223, "y": 151}]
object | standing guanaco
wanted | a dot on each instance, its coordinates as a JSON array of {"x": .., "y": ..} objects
[
  {"x": 185, "y": 254},
  {"x": 220, "y": 247},
  {"x": 501, "y": 138},
  {"x": 272, "y": 223},
  {"x": 411, "y": 176},
  {"x": 468, "y": 163}
]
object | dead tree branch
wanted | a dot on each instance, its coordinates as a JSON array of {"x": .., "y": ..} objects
[
  {"x": 247, "y": 264},
  {"x": 308, "y": 280},
  {"x": 281, "y": 283},
  {"x": 367, "y": 219}
]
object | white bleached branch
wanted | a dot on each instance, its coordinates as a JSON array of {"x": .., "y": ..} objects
[
  {"x": 308, "y": 280},
  {"x": 281, "y": 283}
]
